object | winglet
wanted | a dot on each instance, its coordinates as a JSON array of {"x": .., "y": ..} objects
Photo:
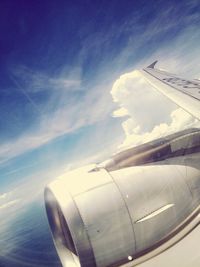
[{"x": 152, "y": 65}]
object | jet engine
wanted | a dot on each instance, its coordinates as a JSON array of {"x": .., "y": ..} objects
[{"x": 121, "y": 217}]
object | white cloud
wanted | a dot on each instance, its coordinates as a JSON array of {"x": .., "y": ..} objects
[
  {"x": 3, "y": 196},
  {"x": 180, "y": 120},
  {"x": 142, "y": 102},
  {"x": 151, "y": 114},
  {"x": 34, "y": 81},
  {"x": 121, "y": 112},
  {"x": 9, "y": 204},
  {"x": 69, "y": 116}
]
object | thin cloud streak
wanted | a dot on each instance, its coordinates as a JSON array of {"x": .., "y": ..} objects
[
  {"x": 94, "y": 107},
  {"x": 63, "y": 114},
  {"x": 26, "y": 95},
  {"x": 9, "y": 204},
  {"x": 35, "y": 82},
  {"x": 3, "y": 196}
]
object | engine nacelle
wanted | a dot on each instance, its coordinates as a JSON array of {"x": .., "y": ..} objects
[{"x": 100, "y": 218}]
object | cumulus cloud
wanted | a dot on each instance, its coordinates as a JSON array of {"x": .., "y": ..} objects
[
  {"x": 180, "y": 120},
  {"x": 151, "y": 114},
  {"x": 121, "y": 112},
  {"x": 142, "y": 102}
]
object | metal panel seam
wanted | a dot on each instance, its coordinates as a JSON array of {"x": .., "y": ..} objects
[
  {"x": 126, "y": 209},
  {"x": 84, "y": 229}
]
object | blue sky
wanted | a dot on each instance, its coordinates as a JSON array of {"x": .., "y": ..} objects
[{"x": 58, "y": 63}]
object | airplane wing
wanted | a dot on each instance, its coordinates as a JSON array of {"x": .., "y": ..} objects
[{"x": 185, "y": 93}]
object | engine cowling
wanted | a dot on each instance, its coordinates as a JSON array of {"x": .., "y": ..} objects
[{"x": 101, "y": 218}]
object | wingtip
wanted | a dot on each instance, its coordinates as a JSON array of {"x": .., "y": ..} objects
[{"x": 152, "y": 65}]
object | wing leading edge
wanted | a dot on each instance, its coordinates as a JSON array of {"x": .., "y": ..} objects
[{"x": 185, "y": 93}]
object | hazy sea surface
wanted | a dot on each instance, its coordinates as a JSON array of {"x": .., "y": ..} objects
[{"x": 27, "y": 240}]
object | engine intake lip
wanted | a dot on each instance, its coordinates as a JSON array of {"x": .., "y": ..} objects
[
  {"x": 69, "y": 233},
  {"x": 60, "y": 231}
]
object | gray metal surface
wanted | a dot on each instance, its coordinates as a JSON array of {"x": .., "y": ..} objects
[
  {"x": 148, "y": 189},
  {"x": 183, "y": 254},
  {"x": 108, "y": 224}
]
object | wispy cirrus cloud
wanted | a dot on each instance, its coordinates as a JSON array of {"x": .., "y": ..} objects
[
  {"x": 63, "y": 115},
  {"x": 62, "y": 112},
  {"x": 3, "y": 196},
  {"x": 37, "y": 81},
  {"x": 9, "y": 204}
]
